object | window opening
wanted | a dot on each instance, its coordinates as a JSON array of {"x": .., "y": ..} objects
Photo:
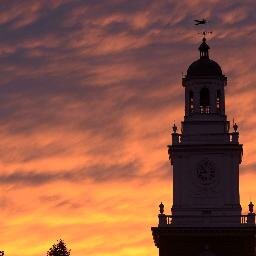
[
  {"x": 218, "y": 100},
  {"x": 191, "y": 102},
  {"x": 205, "y": 101}
]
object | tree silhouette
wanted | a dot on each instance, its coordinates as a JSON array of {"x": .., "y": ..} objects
[{"x": 59, "y": 249}]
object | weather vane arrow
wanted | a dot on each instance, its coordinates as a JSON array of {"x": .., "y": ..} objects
[
  {"x": 202, "y": 22},
  {"x": 204, "y": 33}
]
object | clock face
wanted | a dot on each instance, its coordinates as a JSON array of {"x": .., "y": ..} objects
[{"x": 206, "y": 172}]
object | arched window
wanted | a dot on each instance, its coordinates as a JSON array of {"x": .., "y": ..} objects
[
  {"x": 205, "y": 101},
  {"x": 218, "y": 99},
  {"x": 191, "y": 102}
]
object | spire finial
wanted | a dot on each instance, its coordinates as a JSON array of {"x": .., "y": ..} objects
[
  {"x": 174, "y": 128},
  {"x": 251, "y": 205},
  {"x": 235, "y": 127},
  {"x": 161, "y": 208},
  {"x": 204, "y": 47}
]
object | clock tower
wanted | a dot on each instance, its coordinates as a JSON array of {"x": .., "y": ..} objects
[{"x": 206, "y": 214}]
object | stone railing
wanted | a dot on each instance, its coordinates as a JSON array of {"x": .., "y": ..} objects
[
  {"x": 178, "y": 138},
  {"x": 207, "y": 220},
  {"x": 205, "y": 109}
]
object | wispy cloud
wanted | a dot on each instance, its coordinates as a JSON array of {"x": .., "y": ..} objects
[{"x": 88, "y": 91}]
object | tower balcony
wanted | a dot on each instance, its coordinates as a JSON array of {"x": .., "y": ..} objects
[
  {"x": 206, "y": 220},
  {"x": 213, "y": 138},
  {"x": 205, "y": 109}
]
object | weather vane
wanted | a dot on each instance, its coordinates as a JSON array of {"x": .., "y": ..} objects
[
  {"x": 204, "y": 33},
  {"x": 202, "y": 22}
]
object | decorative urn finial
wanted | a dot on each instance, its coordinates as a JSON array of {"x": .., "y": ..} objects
[
  {"x": 174, "y": 128},
  {"x": 235, "y": 126},
  {"x": 251, "y": 205},
  {"x": 161, "y": 208}
]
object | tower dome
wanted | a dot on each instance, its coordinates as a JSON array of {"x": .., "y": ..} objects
[{"x": 204, "y": 66}]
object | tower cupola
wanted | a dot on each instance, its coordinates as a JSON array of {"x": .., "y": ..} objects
[
  {"x": 204, "y": 66},
  {"x": 204, "y": 49},
  {"x": 205, "y": 154},
  {"x": 204, "y": 86}
]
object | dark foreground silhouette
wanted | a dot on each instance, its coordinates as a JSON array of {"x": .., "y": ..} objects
[{"x": 59, "y": 249}]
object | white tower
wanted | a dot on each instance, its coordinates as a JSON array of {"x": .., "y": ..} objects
[
  {"x": 206, "y": 213},
  {"x": 205, "y": 155}
]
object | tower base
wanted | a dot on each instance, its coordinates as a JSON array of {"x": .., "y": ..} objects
[{"x": 202, "y": 241}]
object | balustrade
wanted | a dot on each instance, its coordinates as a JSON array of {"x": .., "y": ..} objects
[
  {"x": 207, "y": 220},
  {"x": 205, "y": 109}
]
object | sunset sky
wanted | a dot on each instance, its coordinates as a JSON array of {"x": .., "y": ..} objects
[{"x": 88, "y": 92}]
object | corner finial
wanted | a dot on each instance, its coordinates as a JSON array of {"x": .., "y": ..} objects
[
  {"x": 174, "y": 128},
  {"x": 251, "y": 205},
  {"x": 161, "y": 208},
  {"x": 235, "y": 126}
]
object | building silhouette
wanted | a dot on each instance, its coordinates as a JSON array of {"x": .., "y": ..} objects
[{"x": 206, "y": 217}]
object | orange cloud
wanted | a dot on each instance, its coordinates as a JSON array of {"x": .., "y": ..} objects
[{"x": 89, "y": 91}]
